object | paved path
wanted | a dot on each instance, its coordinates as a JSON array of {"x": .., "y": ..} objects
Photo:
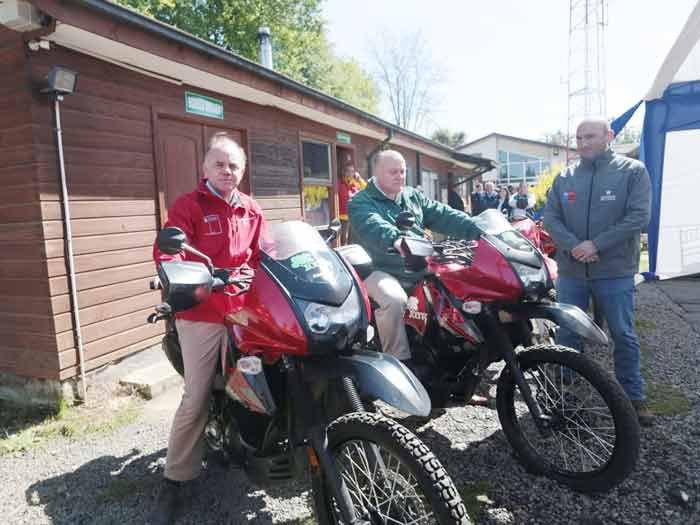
[{"x": 685, "y": 292}]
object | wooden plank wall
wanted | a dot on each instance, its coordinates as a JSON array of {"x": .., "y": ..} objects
[
  {"x": 110, "y": 166},
  {"x": 108, "y": 150},
  {"x": 108, "y": 131},
  {"x": 27, "y": 344}
]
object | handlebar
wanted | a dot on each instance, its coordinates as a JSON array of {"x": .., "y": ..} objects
[
  {"x": 242, "y": 279},
  {"x": 445, "y": 251}
]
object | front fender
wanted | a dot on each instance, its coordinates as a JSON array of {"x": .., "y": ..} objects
[
  {"x": 566, "y": 315},
  {"x": 382, "y": 376}
]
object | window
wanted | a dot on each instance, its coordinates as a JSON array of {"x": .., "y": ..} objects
[
  {"x": 430, "y": 184},
  {"x": 317, "y": 182},
  {"x": 410, "y": 177},
  {"x": 515, "y": 168}
]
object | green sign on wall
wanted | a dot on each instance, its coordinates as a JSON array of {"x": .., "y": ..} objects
[
  {"x": 204, "y": 106},
  {"x": 343, "y": 137}
]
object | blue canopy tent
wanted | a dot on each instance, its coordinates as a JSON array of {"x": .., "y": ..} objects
[{"x": 669, "y": 148}]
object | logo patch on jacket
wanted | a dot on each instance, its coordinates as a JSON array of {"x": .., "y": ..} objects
[
  {"x": 569, "y": 196},
  {"x": 609, "y": 196},
  {"x": 213, "y": 225}
]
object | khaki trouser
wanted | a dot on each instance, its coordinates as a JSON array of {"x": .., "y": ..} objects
[
  {"x": 386, "y": 291},
  {"x": 201, "y": 344}
]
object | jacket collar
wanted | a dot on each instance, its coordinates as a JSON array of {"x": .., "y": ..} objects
[
  {"x": 604, "y": 158},
  {"x": 373, "y": 190},
  {"x": 208, "y": 191}
]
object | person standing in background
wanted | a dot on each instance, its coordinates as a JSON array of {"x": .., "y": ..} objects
[
  {"x": 476, "y": 199},
  {"x": 454, "y": 199},
  {"x": 350, "y": 184},
  {"x": 490, "y": 199},
  {"x": 595, "y": 213}
]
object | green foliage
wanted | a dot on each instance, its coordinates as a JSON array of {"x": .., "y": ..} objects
[
  {"x": 629, "y": 135},
  {"x": 544, "y": 182},
  {"x": 476, "y": 496},
  {"x": 453, "y": 139},
  {"x": 300, "y": 47},
  {"x": 667, "y": 400},
  {"x": 28, "y": 431}
]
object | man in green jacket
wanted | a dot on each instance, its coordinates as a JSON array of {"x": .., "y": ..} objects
[{"x": 372, "y": 213}]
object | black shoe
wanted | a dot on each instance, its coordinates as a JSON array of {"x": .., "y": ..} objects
[
  {"x": 644, "y": 415},
  {"x": 166, "y": 504}
]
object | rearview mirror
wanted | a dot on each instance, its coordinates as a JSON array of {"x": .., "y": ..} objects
[
  {"x": 405, "y": 220},
  {"x": 331, "y": 233},
  {"x": 171, "y": 240},
  {"x": 335, "y": 225}
]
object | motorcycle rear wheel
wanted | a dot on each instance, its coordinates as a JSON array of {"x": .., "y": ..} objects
[
  {"x": 593, "y": 441},
  {"x": 416, "y": 488}
]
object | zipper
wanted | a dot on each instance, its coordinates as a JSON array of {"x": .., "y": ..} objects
[{"x": 588, "y": 216}]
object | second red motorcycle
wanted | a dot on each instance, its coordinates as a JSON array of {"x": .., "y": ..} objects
[{"x": 477, "y": 303}]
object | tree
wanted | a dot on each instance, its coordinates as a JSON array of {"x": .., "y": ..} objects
[
  {"x": 408, "y": 77},
  {"x": 453, "y": 139},
  {"x": 300, "y": 47},
  {"x": 629, "y": 135},
  {"x": 346, "y": 80},
  {"x": 544, "y": 182},
  {"x": 558, "y": 137}
]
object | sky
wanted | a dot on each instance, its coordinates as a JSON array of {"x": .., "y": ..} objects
[{"x": 506, "y": 61}]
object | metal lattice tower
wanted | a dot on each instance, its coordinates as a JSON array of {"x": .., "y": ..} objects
[{"x": 586, "y": 79}]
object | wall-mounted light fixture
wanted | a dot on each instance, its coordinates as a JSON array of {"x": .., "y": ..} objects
[{"x": 61, "y": 81}]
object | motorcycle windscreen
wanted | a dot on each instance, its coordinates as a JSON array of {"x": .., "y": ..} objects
[
  {"x": 301, "y": 260},
  {"x": 679, "y": 221},
  {"x": 509, "y": 241}
]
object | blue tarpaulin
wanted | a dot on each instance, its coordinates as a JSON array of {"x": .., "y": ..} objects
[{"x": 669, "y": 145}]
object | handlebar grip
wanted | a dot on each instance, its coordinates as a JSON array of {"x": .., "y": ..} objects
[{"x": 217, "y": 283}]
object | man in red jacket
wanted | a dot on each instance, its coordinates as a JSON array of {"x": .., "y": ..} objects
[{"x": 228, "y": 226}]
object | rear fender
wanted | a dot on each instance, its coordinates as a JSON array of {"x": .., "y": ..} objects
[{"x": 566, "y": 315}]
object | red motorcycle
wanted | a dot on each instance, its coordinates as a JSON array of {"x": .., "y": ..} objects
[
  {"x": 287, "y": 398},
  {"x": 534, "y": 231},
  {"x": 475, "y": 305}
]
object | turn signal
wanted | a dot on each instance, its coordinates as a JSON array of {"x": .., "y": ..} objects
[{"x": 471, "y": 307}]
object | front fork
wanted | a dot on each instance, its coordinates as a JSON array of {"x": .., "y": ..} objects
[
  {"x": 497, "y": 338},
  {"x": 310, "y": 427}
]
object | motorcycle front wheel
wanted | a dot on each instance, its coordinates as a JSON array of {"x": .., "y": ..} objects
[
  {"x": 407, "y": 485},
  {"x": 591, "y": 442}
]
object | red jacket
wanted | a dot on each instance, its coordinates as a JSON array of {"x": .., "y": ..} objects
[
  {"x": 229, "y": 235},
  {"x": 346, "y": 192}
]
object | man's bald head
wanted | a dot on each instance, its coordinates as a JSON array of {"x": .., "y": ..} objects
[
  {"x": 383, "y": 155},
  {"x": 389, "y": 170},
  {"x": 593, "y": 135}
]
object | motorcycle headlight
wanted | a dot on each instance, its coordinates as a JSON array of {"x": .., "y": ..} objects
[
  {"x": 531, "y": 277},
  {"x": 320, "y": 317}
]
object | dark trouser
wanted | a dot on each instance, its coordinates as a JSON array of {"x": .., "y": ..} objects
[{"x": 344, "y": 232}]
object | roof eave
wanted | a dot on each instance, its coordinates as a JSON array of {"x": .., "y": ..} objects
[{"x": 124, "y": 14}]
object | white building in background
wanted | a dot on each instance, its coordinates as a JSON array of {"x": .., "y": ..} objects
[{"x": 518, "y": 159}]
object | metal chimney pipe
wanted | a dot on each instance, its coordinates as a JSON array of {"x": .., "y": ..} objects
[{"x": 265, "y": 39}]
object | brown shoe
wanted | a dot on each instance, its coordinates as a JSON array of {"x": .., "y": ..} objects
[{"x": 644, "y": 415}]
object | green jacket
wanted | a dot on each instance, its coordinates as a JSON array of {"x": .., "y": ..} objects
[{"x": 373, "y": 219}]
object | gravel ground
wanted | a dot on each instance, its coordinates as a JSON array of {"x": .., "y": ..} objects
[{"x": 111, "y": 478}]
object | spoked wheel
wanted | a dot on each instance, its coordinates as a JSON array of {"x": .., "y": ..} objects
[
  {"x": 408, "y": 484},
  {"x": 591, "y": 442}
]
